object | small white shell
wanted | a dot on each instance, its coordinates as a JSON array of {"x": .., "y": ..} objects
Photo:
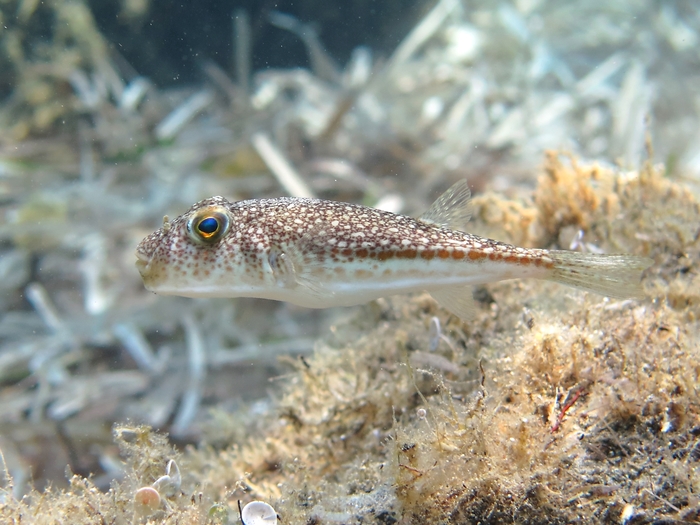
[
  {"x": 258, "y": 513},
  {"x": 146, "y": 501},
  {"x": 169, "y": 485}
]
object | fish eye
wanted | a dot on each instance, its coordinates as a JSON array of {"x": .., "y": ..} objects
[{"x": 208, "y": 225}]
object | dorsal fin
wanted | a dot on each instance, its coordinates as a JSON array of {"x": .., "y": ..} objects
[{"x": 452, "y": 209}]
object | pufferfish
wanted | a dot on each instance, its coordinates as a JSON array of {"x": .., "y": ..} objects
[{"x": 320, "y": 253}]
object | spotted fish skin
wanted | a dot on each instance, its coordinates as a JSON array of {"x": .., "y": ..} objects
[{"x": 318, "y": 253}]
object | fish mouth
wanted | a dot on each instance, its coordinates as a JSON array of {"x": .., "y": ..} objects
[{"x": 142, "y": 260}]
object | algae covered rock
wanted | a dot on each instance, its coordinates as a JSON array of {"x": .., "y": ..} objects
[{"x": 552, "y": 406}]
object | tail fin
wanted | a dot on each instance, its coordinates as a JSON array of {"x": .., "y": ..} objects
[{"x": 616, "y": 276}]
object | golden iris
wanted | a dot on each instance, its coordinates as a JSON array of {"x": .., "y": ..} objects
[{"x": 208, "y": 225}]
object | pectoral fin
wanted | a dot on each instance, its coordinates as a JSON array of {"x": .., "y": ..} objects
[{"x": 291, "y": 270}]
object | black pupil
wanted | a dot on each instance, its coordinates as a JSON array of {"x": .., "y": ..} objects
[{"x": 208, "y": 225}]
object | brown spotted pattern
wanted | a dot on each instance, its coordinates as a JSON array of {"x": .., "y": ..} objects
[{"x": 323, "y": 232}]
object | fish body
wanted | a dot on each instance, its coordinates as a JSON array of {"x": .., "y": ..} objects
[{"x": 318, "y": 253}]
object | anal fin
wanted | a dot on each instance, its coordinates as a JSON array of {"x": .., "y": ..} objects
[{"x": 458, "y": 300}]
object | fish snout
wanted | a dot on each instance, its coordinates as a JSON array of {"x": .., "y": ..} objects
[
  {"x": 145, "y": 252},
  {"x": 142, "y": 260}
]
